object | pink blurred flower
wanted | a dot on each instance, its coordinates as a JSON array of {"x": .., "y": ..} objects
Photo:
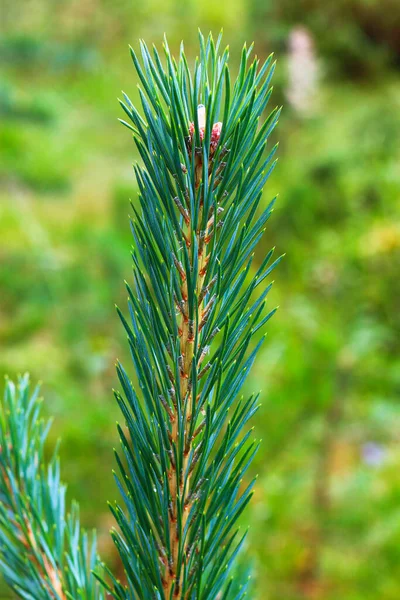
[{"x": 303, "y": 72}]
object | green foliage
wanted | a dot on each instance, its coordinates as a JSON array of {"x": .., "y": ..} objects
[
  {"x": 30, "y": 52},
  {"x": 43, "y": 553}
]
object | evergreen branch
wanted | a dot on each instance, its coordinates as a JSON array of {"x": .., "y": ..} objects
[
  {"x": 194, "y": 311},
  {"x": 43, "y": 553}
]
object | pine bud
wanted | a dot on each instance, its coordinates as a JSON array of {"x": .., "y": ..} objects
[{"x": 201, "y": 119}]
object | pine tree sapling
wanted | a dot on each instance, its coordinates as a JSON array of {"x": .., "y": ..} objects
[{"x": 195, "y": 305}]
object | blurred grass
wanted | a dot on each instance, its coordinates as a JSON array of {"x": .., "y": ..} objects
[{"x": 325, "y": 517}]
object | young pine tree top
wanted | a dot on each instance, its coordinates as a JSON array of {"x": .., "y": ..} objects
[{"x": 195, "y": 304}]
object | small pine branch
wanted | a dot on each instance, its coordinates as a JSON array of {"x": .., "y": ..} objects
[
  {"x": 194, "y": 309},
  {"x": 43, "y": 553}
]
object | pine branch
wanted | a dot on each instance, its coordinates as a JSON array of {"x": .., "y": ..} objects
[
  {"x": 43, "y": 553},
  {"x": 194, "y": 310}
]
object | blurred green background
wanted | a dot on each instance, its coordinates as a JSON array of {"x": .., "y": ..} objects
[{"x": 325, "y": 519}]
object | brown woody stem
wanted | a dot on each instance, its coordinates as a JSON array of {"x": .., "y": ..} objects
[{"x": 187, "y": 337}]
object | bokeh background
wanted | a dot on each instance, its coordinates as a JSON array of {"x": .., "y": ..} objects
[{"x": 325, "y": 519}]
